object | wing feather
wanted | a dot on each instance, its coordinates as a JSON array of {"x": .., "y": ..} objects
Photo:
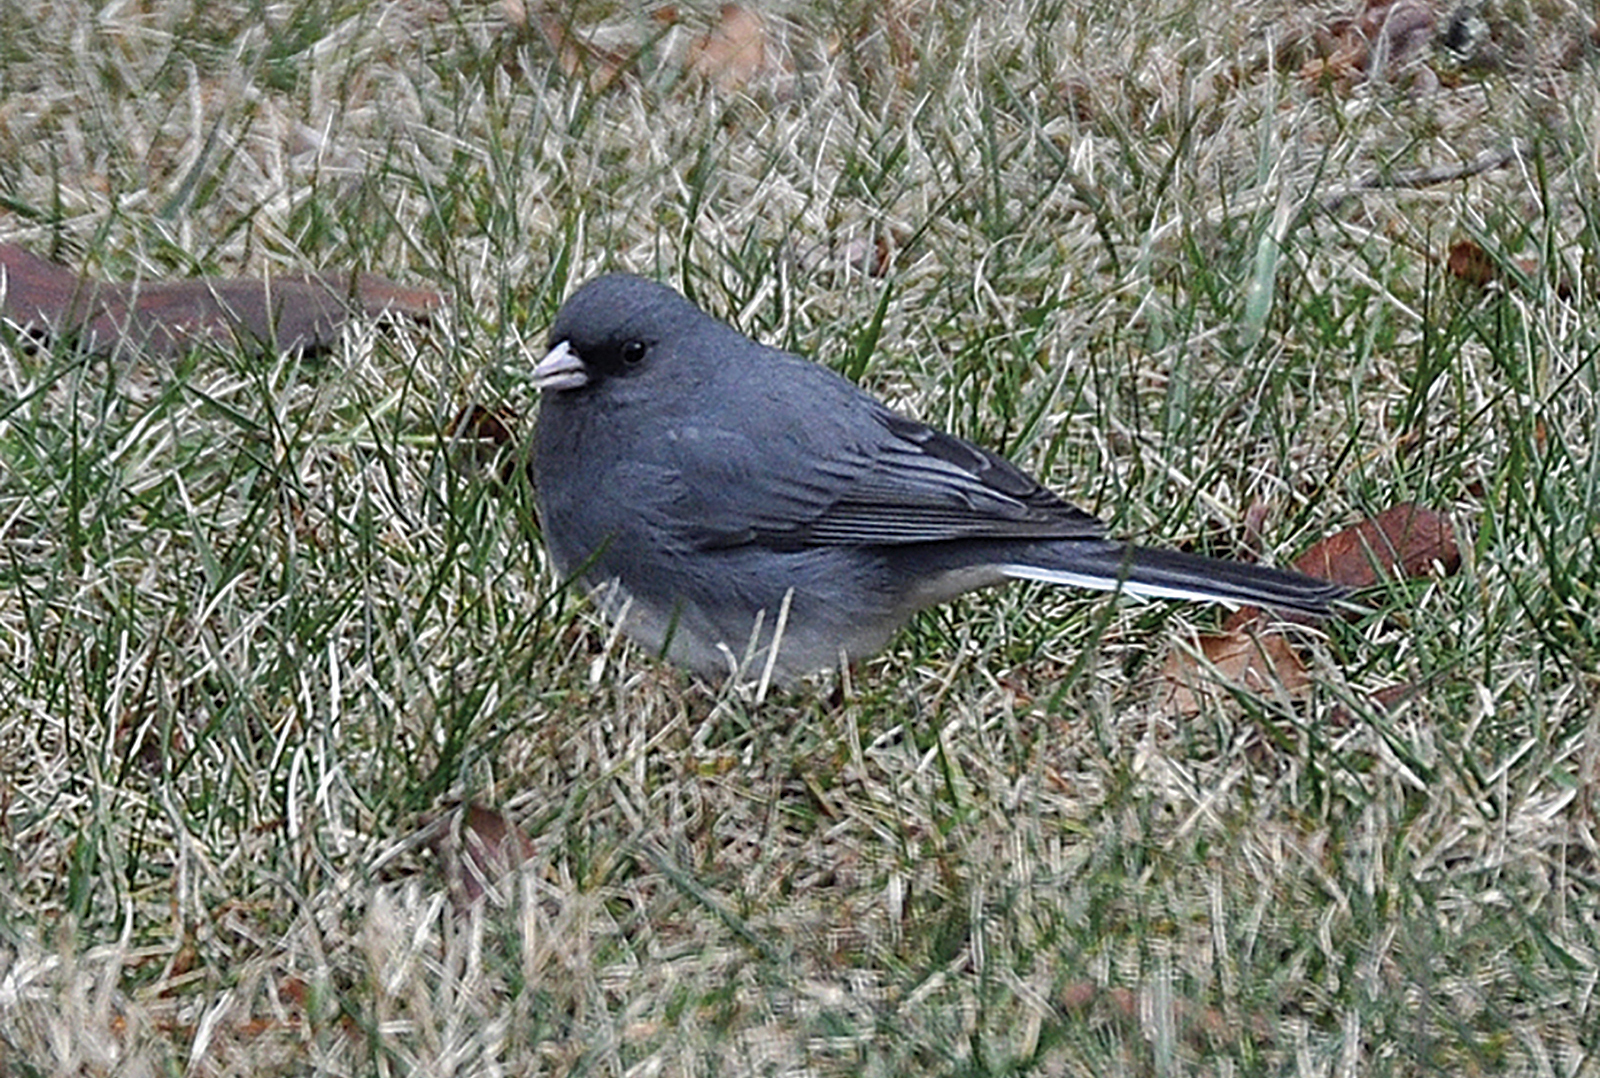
[{"x": 858, "y": 475}]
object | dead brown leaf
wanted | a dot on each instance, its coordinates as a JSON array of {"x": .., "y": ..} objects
[
  {"x": 477, "y": 423},
  {"x": 1407, "y": 539},
  {"x": 478, "y": 848},
  {"x": 1469, "y": 263},
  {"x": 870, "y": 255},
  {"x": 1385, "y": 40},
  {"x": 302, "y": 314},
  {"x": 733, "y": 52},
  {"x": 577, "y": 56},
  {"x": 1261, "y": 662},
  {"x": 479, "y": 435}
]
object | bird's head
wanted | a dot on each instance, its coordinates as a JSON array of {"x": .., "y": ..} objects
[{"x": 614, "y": 327}]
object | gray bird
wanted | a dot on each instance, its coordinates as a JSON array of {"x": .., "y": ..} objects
[{"x": 713, "y": 494}]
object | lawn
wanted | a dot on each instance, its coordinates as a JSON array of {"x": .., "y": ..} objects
[{"x": 309, "y": 763}]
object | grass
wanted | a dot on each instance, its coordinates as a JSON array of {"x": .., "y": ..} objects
[{"x": 263, "y": 626}]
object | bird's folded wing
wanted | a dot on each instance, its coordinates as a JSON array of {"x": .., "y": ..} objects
[{"x": 891, "y": 482}]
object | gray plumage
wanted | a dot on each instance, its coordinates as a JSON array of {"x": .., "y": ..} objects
[{"x": 706, "y": 488}]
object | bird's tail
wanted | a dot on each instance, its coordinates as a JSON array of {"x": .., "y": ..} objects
[{"x": 1169, "y": 574}]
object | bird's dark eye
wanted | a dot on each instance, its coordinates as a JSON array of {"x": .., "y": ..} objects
[{"x": 633, "y": 353}]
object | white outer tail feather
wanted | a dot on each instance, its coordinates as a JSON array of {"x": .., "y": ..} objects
[{"x": 1117, "y": 584}]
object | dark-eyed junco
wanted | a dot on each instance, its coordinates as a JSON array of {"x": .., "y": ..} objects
[{"x": 716, "y": 495}]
